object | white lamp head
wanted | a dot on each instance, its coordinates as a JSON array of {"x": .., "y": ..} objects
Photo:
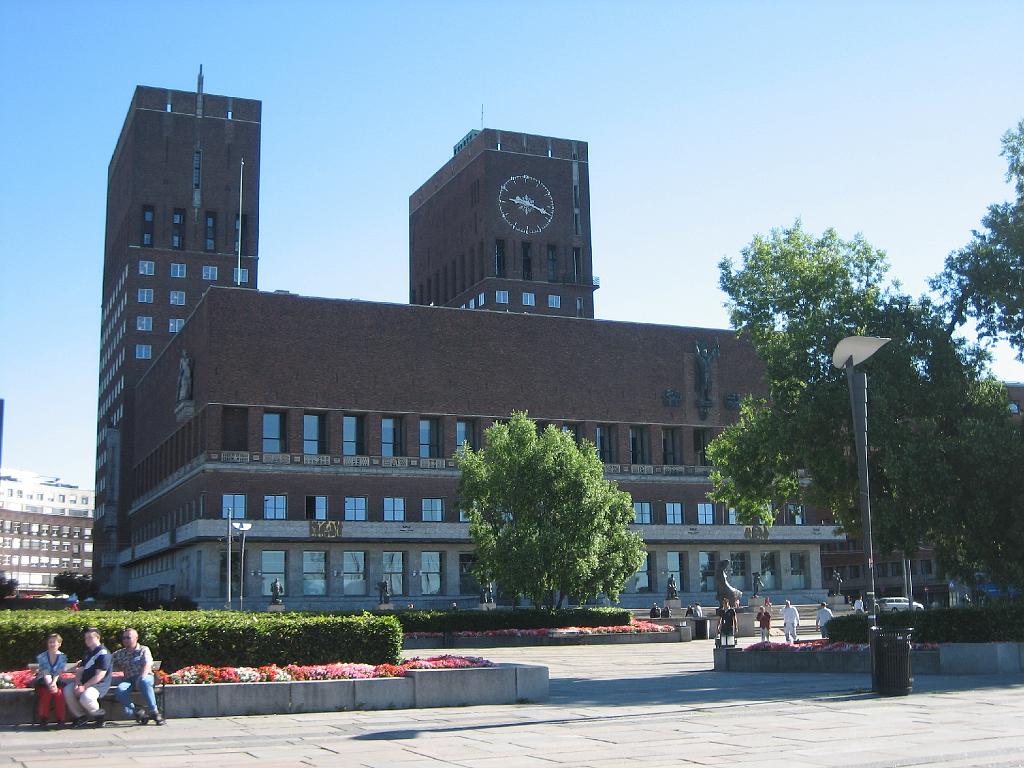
[{"x": 857, "y": 348}]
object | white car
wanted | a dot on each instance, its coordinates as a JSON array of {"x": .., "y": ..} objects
[{"x": 896, "y": 604}]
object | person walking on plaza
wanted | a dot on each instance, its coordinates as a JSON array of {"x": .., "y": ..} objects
[
  {"x": 858, "y": 605},
  {"x": 727, "y": 626},
  {"x": 822, "y": 618},
  {"x": 790, "y": 621},
  {"x": 135, "y": 661},
  {"x": 49, "y": 665},
  {"x": 92, "y": 681},
  {"x": 764, "y": 621}
]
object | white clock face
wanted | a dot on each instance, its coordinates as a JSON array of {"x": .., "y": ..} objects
[{"x": 526, "y": 204}]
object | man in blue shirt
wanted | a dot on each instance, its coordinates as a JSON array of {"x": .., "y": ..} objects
[{"x": 92, "y": 680}]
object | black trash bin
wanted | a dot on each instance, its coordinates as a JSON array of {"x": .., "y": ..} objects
[
  {"x": 700, "y": 628},
  {"x": 890, "y": 661}
]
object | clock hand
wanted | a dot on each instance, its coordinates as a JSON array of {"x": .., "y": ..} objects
[{"x": 526, "y": 202}]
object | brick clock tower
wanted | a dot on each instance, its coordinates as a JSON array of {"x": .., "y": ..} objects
[
  {"x": 172, "y": 231},
  {"x": 505, "y": 225}
]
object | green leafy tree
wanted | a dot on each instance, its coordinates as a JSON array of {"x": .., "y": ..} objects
[
  {"x": 8, "y": 587},
  {"x": 79, "y": 584},
  {"x": 984, "y": 280},
  {"x": 546, "y": 523},
  {"x": 945, "y": 456}
]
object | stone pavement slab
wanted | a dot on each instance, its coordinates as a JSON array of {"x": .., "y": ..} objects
[{"x": 630, "y": 705}]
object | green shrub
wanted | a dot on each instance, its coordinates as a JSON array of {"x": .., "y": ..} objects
[
  {"x": 485, "y": 621},
  {"x": 941, "y": 625},
  {"x": 219, "y": 638}
]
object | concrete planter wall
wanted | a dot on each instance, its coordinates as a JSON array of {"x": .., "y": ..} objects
[
  {"x": 981, "y": 658},
  {"x": 681, "y": 634},
  {"x": 949, "y": 659},
  {"x": 503, "y": 684}
]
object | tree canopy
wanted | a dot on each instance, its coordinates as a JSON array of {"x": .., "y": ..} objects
[
  {"x": 984, "y": 280},
  {"x": 945, "y": 456},
  {"x": 80, "y": 584},
  {"x": 546, "y": 523}
]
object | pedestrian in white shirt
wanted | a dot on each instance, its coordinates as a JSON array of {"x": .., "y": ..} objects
[
  {"x": 790, "y": 621},
  {"x": 698, "y": 611},
  {"x": 858, "y": 605},
  {"x": 822, "y": 618}
]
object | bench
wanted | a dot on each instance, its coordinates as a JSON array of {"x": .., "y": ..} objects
[{"x": 109, "y": 700}]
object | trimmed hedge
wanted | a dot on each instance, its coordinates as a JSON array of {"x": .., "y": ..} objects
[
  {"x": 940, "y": 625},
  {"x": 217, "y": 638},
  {"x": 485, "y": 621}
]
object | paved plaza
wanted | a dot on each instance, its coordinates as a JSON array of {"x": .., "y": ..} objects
[{"x": 644, "y": 705}]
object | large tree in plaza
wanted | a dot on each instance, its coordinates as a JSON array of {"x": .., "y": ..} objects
[
  {"x": 984, "y": 280},
  {"x": 545, "y": 522},
  {"x": 945, "y": 458}
]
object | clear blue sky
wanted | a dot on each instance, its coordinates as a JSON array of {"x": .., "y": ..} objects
[{"x": 707, "y": 123}]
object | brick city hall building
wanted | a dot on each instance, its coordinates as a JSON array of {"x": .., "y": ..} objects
[{"x": 344, "y": 473}]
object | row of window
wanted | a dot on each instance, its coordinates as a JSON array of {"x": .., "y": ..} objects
[
  {"x": 705, "y": 514},
  {"x": 18, "y": 493},
  {"x": 178, "y": 222},
  {"x": 145, "y": 323},
  {"x": 43, "y": 545},
  {"x": 210, "y": 272},
  {"x": 393, "y": 508},
  {"x": 353, "y": 437},
  {"x": 427, "y": 569},
  {"x": 431, "y": 440},
  {"x": 45, "y": 529},
  {"x": 450, "y": 280},
  {"x": 44, "y": 560},
  {"x": 529, "y": 299},
  {"x": 573, "y": 273}
]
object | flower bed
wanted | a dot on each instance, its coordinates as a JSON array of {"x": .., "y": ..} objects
[
  {"x": 824, "y": 646},
  {"x": 638, "y": 626},
  {"x": 200, "y": 674}
]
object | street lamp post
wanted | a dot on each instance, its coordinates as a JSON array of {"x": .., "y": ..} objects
[
  {"x": 850, "y": 352},
  {"x": 242, "y": 527},
  {"x": 227, "y": 541}
]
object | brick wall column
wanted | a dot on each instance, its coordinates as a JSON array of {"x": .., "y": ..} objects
[
  {"x": 293, "y": 430},
  {"x": 256, "y": 430}
]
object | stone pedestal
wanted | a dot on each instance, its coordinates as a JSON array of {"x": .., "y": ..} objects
[
  {"x": 677, "y": 603},
  {"x": 279, "y": 608},
  {"x": 835, "y": 600},
  {"x": 184, "y": 410},
  {"x": 385, "y": 606},
  {"x": 487, "y": 606}
]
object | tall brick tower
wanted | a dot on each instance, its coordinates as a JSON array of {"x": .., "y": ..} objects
[
  {"x": 173, "y": 203},
  {"x": 505, "y": 225}
]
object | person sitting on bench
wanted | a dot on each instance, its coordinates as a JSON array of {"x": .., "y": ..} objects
[
  {"x": 135, "y": 661},
  {"x": 92, "y": 681},
  {"x": 49, "y": 665}
]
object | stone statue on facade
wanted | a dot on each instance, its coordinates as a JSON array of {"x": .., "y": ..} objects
[
  {"x": 758, "y": 584},
  {"x": 383, "y": 593},
  {"x": 276, "y": 592},
  {"x": 185, "y": 377},
  {"x": 671, "y": 589},
  {"x": 837, "y": 582},
  {"x": 705, "y": 356},
  {"x": 723, "y": 589}
]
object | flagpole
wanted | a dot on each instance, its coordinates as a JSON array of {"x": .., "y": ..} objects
[{"x": 238, "y": 271}]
